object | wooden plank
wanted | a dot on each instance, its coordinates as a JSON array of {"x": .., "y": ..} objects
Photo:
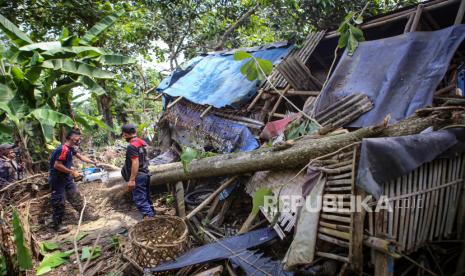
[
  {"x": 436, "y": 200},
  {"x": 458, "y": 200},
  {"x": 413, "y": 211},
  {"x": 403, "y": 214},
  {"x": 438, "y": 223},
  {"x": 429, "y": 203},
  {"x": 333, "y": 257},
  {"x": 383, "y": 263},
  {"x": 338, "y": 211},
  {"x": 339, "y": 204},
  {"x": 343, "y": 228},
  {"x": 418, "y": 208},
  {"x": 335, "y": 218},
  {"x": 385, "y": 214},
  {"x": 424, "y": 209},
  {"x": 335, "y": 233},
  {"x": 338, "y": 189},
  {"x": 453, "y": 191},
  {"x": 339, "y": 176},
  {"x": 357, "y": 235},
  {"x": 339, "y": 182},
  {"x": 391, "y": 215},
  {"x": 397, "y": 210},
  {"x": 446, "y": 199},
  {"x": 333, "y": 240}
]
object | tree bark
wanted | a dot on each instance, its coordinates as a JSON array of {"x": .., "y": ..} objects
[{"x": 298, "y": 155}]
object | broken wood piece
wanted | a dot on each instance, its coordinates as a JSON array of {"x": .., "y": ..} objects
[
  {"x": 445, "y": 89},
  {"x": 205, "y": 111},
  {"x": 460, "y": 12},
  {"x": 333, "y": 257},
  {"x": 297, "y": 92},
  {"x": 278, "y": 101},
  {"x": 212, "y": 209},
  {"x": 255, "y": 100},
  {"x": 211, "y": 197},
  {"x": 179, "y": 196},
  {"x": 224, "y": 209},
  {"x": 417, "y": 17},
  {"x": 174, "y": 102},
  {"x": 248, "y": 222}
]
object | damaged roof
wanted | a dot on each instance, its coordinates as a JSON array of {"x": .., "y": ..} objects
[{"x": 215, "y": 79}]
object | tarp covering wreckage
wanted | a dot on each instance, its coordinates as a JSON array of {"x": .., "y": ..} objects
[
  {"x": 399, "y": 74},
  {"x": 234, "y": 249},
  {"x": 216, "y": 79}
]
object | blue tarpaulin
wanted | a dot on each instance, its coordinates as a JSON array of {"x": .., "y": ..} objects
[
  {"x": 210, "y": 133},
  {"x": 384, "y": 159},
  {"x": 223, "y": 249},
  {"x": 216, "y": 80},
  {"x": 399, "y": 74}
]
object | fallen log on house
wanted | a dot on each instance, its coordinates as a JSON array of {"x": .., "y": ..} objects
[{"x": 299, "y": 154}]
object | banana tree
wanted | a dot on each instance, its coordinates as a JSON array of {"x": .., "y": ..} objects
[{"x": 37, "y": 79}]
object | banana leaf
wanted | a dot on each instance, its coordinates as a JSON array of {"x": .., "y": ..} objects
[
  {"x": 91, "y": 35},
  {"x": 76, "y": 67},
  {"x": 14, "y": 33}
]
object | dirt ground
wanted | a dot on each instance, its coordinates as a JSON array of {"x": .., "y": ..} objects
[{"x": 116, "y": 215}]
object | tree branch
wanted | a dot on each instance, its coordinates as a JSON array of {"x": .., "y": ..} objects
[{"x": 231, "y": 29}]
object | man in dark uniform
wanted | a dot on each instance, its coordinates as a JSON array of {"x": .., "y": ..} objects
[
  {"x": 10, "y": 170},
  {"x": 135, "y": 171},
  {"x": 61, "y": 180}
]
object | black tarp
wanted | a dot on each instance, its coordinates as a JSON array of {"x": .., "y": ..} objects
[
  {"x": 387, "y": 158},
  {"x": 399, "y": 74}
]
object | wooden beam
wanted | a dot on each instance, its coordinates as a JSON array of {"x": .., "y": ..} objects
[
  {"x": 205, "y": 111},
  {"x": 460, "y": 12},
  {"x": 179, "y": 195},
  {"x": 417, "y": 18},
  {"x": 174, "y": 102}
]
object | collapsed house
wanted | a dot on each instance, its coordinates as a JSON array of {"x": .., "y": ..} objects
[
  {"x": 402, "y": 91},
  {"x": 412, "y": 59}
]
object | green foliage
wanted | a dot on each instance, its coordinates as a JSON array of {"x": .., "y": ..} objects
[
  {"x": 52, "y": 261},
  {"x": 22, "y": 253},
  {"x": 254, "y": 68},
  {"x": 91, "y": 36},
  {"x": 3, "y": 267},
  {"x": 188, "y": 154},
  {"x": 48, "y": 246},
  {"x": 169, "y": 200},
  {"x": 350, "y": 35},
  {"x": 115, "y": 243},
  {"x": 92, "y": 253},
  {"x": 13, "y": 32},
  {"x": 296, "y": 130},
  {"x": 258, "y": 199}
]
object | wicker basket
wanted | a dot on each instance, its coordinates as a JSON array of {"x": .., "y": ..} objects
[{"x": 158, "y": 240}]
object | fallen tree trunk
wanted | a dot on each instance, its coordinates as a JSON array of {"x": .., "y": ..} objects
[{"x": 301, "y": 152}]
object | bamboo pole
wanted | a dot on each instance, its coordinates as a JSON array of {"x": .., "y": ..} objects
[{"x": 211, "y": 197}]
